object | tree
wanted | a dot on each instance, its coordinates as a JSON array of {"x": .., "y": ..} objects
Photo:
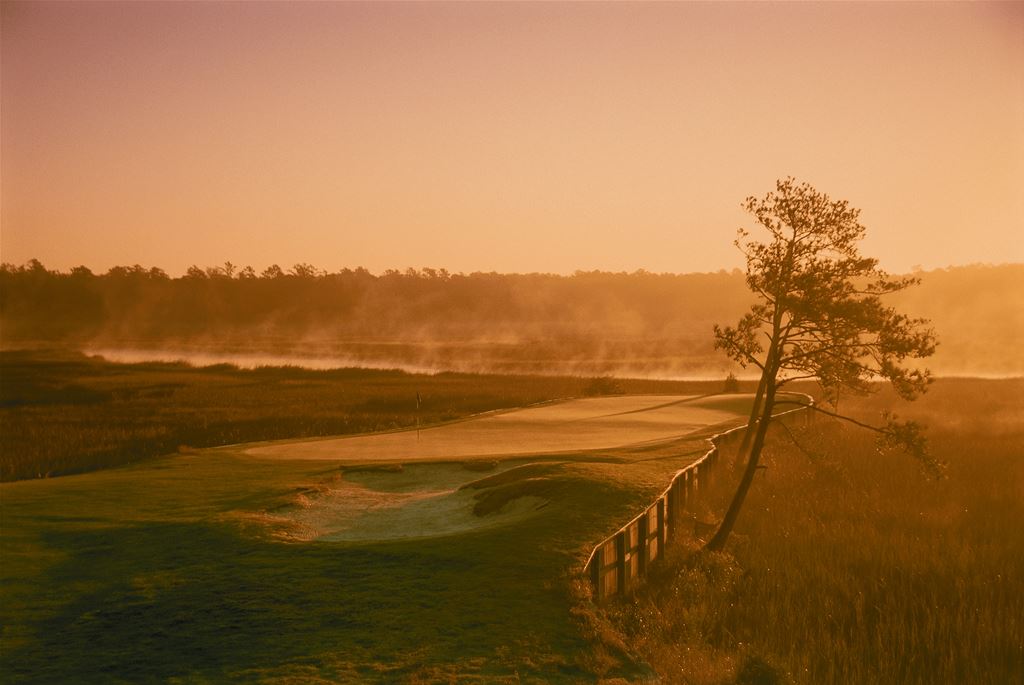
[
  {"x": 819, "y": 315},
  {"x": 272, "y": 271},
  {"x": 303, "y": 270}
]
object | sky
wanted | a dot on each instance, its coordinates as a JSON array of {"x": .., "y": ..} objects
[{"x": 515, "y": 137}]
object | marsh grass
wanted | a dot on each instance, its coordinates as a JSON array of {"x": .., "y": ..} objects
[{"x": 852, "y": 566}]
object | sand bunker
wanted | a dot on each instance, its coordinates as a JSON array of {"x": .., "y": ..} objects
[
  {"x": 575, "y": 425},
  {"x": 420, "y": 501}
]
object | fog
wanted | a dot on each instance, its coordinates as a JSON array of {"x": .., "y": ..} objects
[{"x": 594, "y": 323}]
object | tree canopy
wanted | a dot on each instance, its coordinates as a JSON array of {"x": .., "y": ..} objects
[{"x": 819, "y": 314}]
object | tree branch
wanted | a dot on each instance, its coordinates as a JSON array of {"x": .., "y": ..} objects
[
  {"x": 855, "y": 422},
  {"x": 807, "y": 452}
]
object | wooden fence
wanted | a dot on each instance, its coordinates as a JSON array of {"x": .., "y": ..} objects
[{"x": 620, "y": 562}]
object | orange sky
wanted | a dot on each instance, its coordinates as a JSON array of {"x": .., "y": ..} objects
[{"x": 507, "y": 137}]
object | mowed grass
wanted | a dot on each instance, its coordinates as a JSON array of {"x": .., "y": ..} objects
[
  {"x": 852, "y": 566},
  {"x": 63, "y": 412},
  {"x": 165, "y": 570},
  {"x": 151, "y": 573}
]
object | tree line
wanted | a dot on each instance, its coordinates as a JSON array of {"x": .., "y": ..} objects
[
  {"x": 140, "y": 302},
  {"x": 976, "y": 310}
]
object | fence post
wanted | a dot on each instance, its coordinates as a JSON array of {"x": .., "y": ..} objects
[
  {"x": 662, "y": 523},
  {"x": 642, "y": 549},
  {"x": 597, "y": 573},
  {"x": 710, "y": 466},
  {"x": 672, "y": 508},
  {"x": 620, "y": 561}
]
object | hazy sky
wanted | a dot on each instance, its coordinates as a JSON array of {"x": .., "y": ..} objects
[{"x": 507, "y": 137}]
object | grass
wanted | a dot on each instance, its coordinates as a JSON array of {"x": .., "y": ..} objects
[
  {"x": 852, "y": 566},
  {"x": 163, "y": 570},
  {"x": 63, "y": 412}
]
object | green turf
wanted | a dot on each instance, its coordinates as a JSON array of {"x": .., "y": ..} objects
[
  {"x": 159, "y": 572},
  {"x": 165, "y": 570}
]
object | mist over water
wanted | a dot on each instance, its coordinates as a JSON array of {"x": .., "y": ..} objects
[
  {"x": 429, "y": 358},
  {"x": 246, "y": 360},
  {"x": 639, "y": 325},
  {"x": 657, "y": 370}
]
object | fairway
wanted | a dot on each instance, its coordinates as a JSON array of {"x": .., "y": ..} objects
[
  {"x": 425, "y": 498},
  {"x": 574, "y": 425},
  {"x": 432, "y": 499},
  {"x": 272, "y": 563}
]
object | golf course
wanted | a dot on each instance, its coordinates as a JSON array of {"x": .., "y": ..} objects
[{"x": 449, "y": 551}]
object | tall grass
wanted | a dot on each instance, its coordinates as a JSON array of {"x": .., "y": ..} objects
[{"x": 850, "y": 566}]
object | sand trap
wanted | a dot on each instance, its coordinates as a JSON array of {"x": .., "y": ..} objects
[
  {"x": 574, "y": 425},
  {"x": 422, "y": 500}
]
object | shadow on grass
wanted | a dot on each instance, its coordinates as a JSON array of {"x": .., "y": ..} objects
[{"x": 163, "y": 601}]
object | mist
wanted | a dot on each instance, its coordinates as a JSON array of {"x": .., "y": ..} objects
[{"x": 591, "y": 323}]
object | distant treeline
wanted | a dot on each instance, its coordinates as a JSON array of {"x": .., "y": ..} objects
[
  {"x": 138, "y": 302},
  {"x": 643, "y": 318}
]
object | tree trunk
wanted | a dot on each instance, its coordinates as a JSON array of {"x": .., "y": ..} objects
[
  {"x": 717, "y": 542},
  {"x": 751, "y": 422}
]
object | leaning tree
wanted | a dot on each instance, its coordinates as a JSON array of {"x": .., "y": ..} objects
[{"x": 819, "y": 315}]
